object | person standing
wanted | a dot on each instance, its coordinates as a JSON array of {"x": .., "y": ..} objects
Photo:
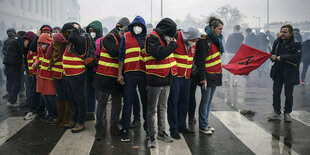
[
  {"x": 286, "y": 55},
  {"x": 305, "y": 59},
  {"x": 13, "y": 61},
  {"x": 209, "y": 68},
  {"x": 161, "y": 70},
  {"x": 178, "y": 100},
  {"x": 105, "y": 80}
]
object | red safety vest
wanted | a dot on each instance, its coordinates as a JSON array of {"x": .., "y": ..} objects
[
  {"x": 107, "y": 65},
  {"x": 30, "y": 60},
  {"x": 213, "y": 60},
  {"x": 157, "y": 67},
  {"x": 57, "y": 69},
  {"x": 44, "y": 73},
  {"x": 184, "y": 59},
  {"x": 72, "y": 65},
  {"x": 133, "y": 54}
]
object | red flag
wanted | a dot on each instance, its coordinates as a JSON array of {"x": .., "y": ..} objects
[{"x": 246, "y": 60}]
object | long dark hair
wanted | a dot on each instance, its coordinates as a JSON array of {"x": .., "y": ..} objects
[{"x": 215, "y": 22}]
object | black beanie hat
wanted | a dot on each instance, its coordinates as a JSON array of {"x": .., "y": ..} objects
[{"x": 67, "y": 27}]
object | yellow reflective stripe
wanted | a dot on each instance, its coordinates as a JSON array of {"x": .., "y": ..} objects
[
  {"x": 58, "y": 63},
  {"x": 213, "y": 56},
  {"x": 71, "y": 58},
  {"x": 184, "y": 65},
  {"x": 213, "y": 63},
  {"x": 73, "y": 66},
  {"x": 34, "y": 57},
  {"x": 135, "y": 49},
  {"x": 183, "y": 57},
  {"x": 40, "y": 58},
  {"x": 107, "y": 55},
  {"x": 46, "y": 61},
  {"x": 108, "y": 64},
  {"x": 151, "y": 57},
  {"x": 30, "y": 68},
  {"x": 44, "y": 68},
  {"x": 160, "y": 66},
  {"x": 133, "y": 59},
  {"x": 57, "y": 69},
  {"x": 30, "y": 61}
]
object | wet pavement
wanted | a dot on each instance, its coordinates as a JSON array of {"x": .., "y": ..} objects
[{"x": 234, "y": 133}]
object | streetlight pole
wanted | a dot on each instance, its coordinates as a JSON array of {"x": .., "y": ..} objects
[
  {"x": 258, "y": 20},
  {"x": 151, "y": 12},
  {"x": 161, "y": 13},
  {"x": 267, "y": 14}
]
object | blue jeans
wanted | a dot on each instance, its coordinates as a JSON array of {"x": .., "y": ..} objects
[
  {"x": 50, "y": 102},
  {"x": 178, "y": 102},
  {"x": 278, "y": 83},
  {"x": 204, "y": 107}
]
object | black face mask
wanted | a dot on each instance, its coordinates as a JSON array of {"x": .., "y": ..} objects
[{"x": 11, "y": 34}]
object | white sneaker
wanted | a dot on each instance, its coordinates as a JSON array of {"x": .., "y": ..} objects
[
  {"x": 14, "y": 105},
  {"x": 274, "y": 116},
  {"x": 8, "y": 104},
  {"x": 287, "y": 117},
  {"x": 211, "y": 128},
  {"x": 206, "y": 131},
  {"x": 30, "y": 115}
]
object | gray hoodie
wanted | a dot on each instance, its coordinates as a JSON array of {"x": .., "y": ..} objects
[{"x": 189, "y": 34}]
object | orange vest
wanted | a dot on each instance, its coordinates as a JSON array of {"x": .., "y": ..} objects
[
  {"x": 133, "y": 54},
  {"x": 72, "y": 65},
  {"x": 30, "y": 60},
  {"x": 157, "y": 67},
  {"x": 184, "y": 59},
  {"x": 213, "y": 60},
  {"x": 57, "y": 69},
  {"x": 107, "y": 65},
  {"x": 44, "y": 73}
]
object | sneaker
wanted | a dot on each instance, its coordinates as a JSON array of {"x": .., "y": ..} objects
[
  {"x": 303, "y": 82},
  {"x": 70, "y": 125},
  {"x": 8, "y": 104},
  {"x": 164, "y": 137},
  {"x": 211, "y": 128},
  {"x": 287, "y": 117},
  {"x": 99, "y": 134},
  {"x": 30, "y": 115},
  {"x": 124, "y": 136},
  {"x": 192, "y": 121},
  {"x": 187, "y": 131},
  {"x": 135, "y": 124},
  {"x": 15, "y": 105},
  {"x": 78, "y": 128},
  {"x": 206, "y": 130},
  {"x": 274, "y": 116},
  {"x": 175, "y": 135},
  {"x": 151, "y": 142}
]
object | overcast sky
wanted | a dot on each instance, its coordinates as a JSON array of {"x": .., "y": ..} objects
[{"x": 280, "y": 10}]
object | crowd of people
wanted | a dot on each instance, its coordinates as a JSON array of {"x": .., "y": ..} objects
[{"x": 73, "y": 73}]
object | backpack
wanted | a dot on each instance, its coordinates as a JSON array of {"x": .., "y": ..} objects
[{"x": 90, "y": 59}]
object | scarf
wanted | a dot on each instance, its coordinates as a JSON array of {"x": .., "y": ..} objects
[{"x": 217, "y": 40}]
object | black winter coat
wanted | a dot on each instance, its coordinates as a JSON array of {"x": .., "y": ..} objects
[
  {"x": 13, "y": 50},
  {"x": 290, "y": 56}
]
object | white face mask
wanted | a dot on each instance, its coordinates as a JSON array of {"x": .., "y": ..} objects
[
  {"x": 137, "y": 29},
  {"x": 191, "y": 43},
  {"x": 44, "y": 46},
  {"x": 93, "y": 34},
  {"x": 167, "y": 38}
]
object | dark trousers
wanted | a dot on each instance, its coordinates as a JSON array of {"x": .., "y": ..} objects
[
  {"x": 22, "y": 83},
  {"x": 101, "y": 114},
  {"x": 131, "y": 83},
  {"x": 28, "y": 89},
  {"x": 37, "y": 102},
  {"x": 136, "y": 108},
  {"x": 50, "y": 102},
  {"x": 178, "y": 102},
  {"x": 61, "y": 90},
  {"x": 192, "y": 101},
  {"x": 90, "y": 91},
  {"x": 13, "y": 74},
  {"x": 76, "y": 90},
  {"x": 304, "y": 70},
  {"x": 278, "y": 83}
]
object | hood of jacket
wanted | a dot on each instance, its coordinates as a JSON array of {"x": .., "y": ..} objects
[
  {"x": 190, "y": 34},
  {"x": 97, "y": 25},
  {"x": 45, "y": 38},
  {"x": 29, "y": 36},
  {"x": 11, "y": 32},
  {"x": 138, "y": 21},
  {"x": 166, "y": 27},
  {"x": 59, "y": 38}
]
